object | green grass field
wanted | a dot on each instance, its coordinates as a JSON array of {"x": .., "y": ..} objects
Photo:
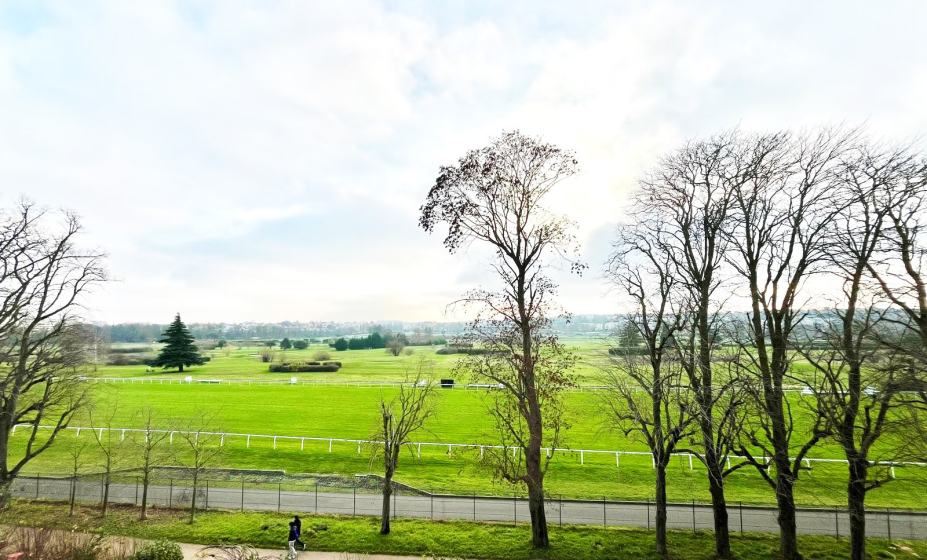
[
  {"x": 358, "y": 365},
  {"x": 350, "y": 413}
]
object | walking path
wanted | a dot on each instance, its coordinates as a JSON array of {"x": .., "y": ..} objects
[
  {"x": 903, "y": 525},
  {"x": 200, "y": 552}
]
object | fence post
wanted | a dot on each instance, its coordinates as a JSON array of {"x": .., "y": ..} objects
[
  {"x": 837, "y": 521},
  {"x": 741, "y": 517},
  {"x": 38, "y": 476},
  {"x": 242, "y": 492},
  {"x": 561, "y": 510},
  {"x": 317, "y": 496},
  {"x": 395, "y": 515},
  {"x": 136, "y": 492},
  {"x": 515, "y": 506},
  {"x": 693, "y": 515},
  {"x": 648, "y": 513},
  {"x": 888, "y": 518},
  {"x": 102, "y": 483},
  {"x": 474, "y": 505},
  {"x": 278, "y": 497},
  {"x": 604, "y": 513},
  {"x": 207, "y": 494},
  {"x": 170, "y": 495},
  {"x": 354, "y": 513}
]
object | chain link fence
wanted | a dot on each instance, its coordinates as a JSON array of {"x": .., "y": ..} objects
[{"x": 274, "y": 491}]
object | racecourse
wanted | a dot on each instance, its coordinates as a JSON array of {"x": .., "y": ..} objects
[{"x": 338, "y": 412}]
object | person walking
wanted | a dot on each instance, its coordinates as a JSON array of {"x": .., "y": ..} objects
[
  {"x": 291, "y": 539},
  {"x": 299, "y": 531}
]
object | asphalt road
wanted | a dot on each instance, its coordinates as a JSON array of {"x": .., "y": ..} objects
[{"x": 581, "y": 512}]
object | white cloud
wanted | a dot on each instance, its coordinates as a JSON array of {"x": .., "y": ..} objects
[{"x": 232, "y": 154}]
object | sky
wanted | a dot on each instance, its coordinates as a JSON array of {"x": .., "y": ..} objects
[{"x": 266, "y": 161}]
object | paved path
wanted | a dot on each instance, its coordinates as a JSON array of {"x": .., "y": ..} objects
[
  {"x": 200, "y": 552},
  {"x": 482, "y": 508}
]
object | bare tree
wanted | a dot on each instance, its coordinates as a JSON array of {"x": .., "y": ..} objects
[
  {"x": 78, "y": 461},
  {"x": 150, "y": 450},
  {"x": 898, "y": 266},
  {"x": 779, "y": 236},
  {"x": 683, "y": 204},
  {"x": 645, "y": 395},
  {"x": 402, "y": 415},
  {"x": 857, "y": 377},
  {"x": 44, "y": 276},
  {"x": 110, "y": 441},
  {"x": 494, "y": 195},
  {"x": 202, "y": 437},
  {"x": 395, "y": 346}
]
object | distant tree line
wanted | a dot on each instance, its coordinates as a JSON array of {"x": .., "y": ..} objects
[
  {"x": 387, "y": 340},
  {"x": 149, "y": 332}
]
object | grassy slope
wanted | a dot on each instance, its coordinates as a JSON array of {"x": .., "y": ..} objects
[{"x": 455, "y": 539}]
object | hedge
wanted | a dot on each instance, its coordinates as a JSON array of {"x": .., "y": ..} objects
[
  {"x": 461, "y": 350},
  {"x": 302, "y": 367}
]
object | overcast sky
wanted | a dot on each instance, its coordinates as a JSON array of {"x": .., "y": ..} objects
[{"x": 266, "y": 161}]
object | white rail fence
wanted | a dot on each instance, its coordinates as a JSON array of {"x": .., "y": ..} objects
[
  {"x": 190, "y": 380},
  {"x": 450, "y": 446}
]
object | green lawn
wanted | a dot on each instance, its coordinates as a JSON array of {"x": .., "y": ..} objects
[
  {"x": 357, "y": 365},
  {"x": 443, "y": 539},
  {"x": 350, "y": 413}
]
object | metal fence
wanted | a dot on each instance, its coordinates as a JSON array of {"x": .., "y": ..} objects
[{"x": 360, "y": 497}]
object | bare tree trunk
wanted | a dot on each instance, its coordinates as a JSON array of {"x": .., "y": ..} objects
[
  {"x": 661, "y": 546},
  {"x": 145, "y": 482},
  {"x": 387, "y": 493},
  {"x": 73, "y": 497},
  {"x": 105, "y": 497},
  {"x": 788, "y": 531},
  {"x": 193, "y": 500},
  {"x": 856, "y": 503},
  {"x": 718, "y": 508},
  {"x": 539, "y": 536}
]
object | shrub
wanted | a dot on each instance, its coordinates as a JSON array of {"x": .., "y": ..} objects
[
  {"x": 461, "y": 350},
  {"x": 300, "y": 367},
  {"x": 331, "y": 364},
  {"x": 300, "y": 344},
  {"x": 628, "y": 351},
  {"x": 321, "y": 356},
  {"x": 128, "y": 350},
  {"x": 125, "y": 360},
  {"x": 160, "y": 550},
  {"x": 395, "y": 347},
  {"x": 340, "y": 344}
]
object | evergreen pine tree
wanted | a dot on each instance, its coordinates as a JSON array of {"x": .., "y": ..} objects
[
  {"x": 179, "y": 350},
  {"x": 285, "y": 344}
]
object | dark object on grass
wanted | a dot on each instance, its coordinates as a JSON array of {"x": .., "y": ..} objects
[{"x": 447, "y": 383}]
